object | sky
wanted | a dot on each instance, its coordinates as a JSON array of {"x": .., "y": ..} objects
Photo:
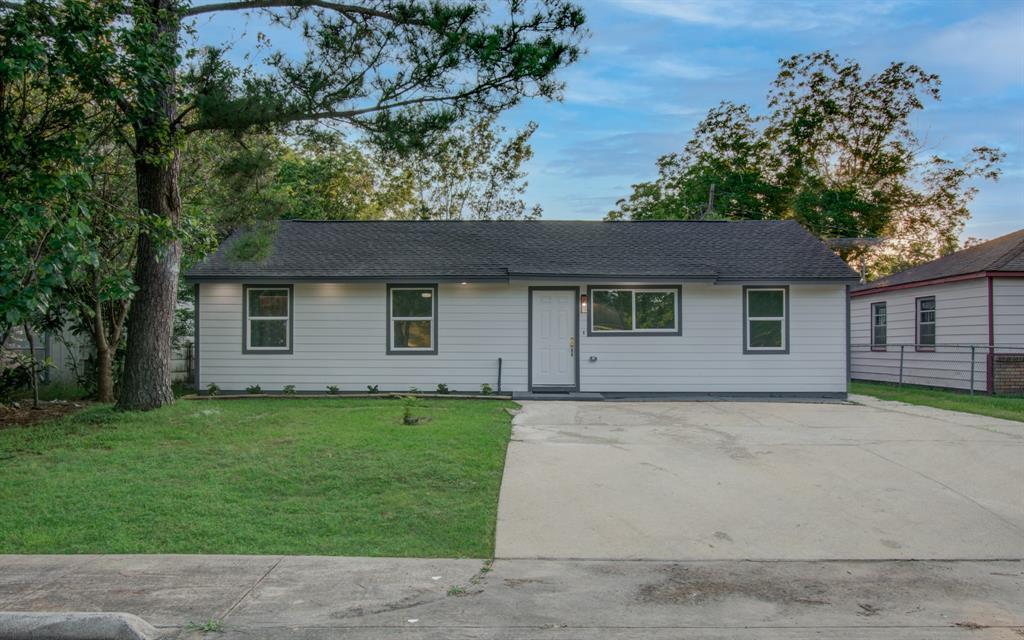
[{"x": 654, "y": 67}]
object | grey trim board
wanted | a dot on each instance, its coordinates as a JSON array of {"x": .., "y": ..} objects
[
  {"x": 752, "y": 352},
  {"x": 529, "y": 338},
  {"x": 245, "y": 320},
  {"x": 195, "y": 346}
]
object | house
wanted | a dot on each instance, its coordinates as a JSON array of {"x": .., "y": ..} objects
[
  {"x": 614, "y": 308},
  {"x": 955, "y": 322}
]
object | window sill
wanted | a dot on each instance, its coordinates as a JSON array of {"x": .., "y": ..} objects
[{"x": 879, "y": 348}]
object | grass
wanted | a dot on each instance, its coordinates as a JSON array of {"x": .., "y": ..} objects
[
  {"x": 1008, "y": 407},
  {"x": 338, "y": 476}
]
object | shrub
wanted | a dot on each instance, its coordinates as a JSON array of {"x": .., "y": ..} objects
[
  {"x": 486, "y": 389},
  {"x": 13, "y": 378},
  {"x": 289, "y": 389},
  {"x": 254, "y": 389},
  {"x": 443, "y": 388},
  {"x": 408, "y": 406},
  {"x": 372, "y": 388},
  {"x": 212, "y": 389},
  {"x": 332, "y": 389}
]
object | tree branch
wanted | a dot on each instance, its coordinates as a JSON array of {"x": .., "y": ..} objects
[{"x": 241, "y": 5}]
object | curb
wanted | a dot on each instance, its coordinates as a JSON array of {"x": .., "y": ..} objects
[{"x": 24, "y": 625}]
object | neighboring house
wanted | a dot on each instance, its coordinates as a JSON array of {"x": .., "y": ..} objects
[
  {"x": 680, "y": 307},
  {"x": 938, "y": 313}
]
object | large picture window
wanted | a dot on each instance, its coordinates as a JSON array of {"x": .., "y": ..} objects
[
  {"x": 926, "y": 324},
  {"x": 268, "y": 321},
  {"x": 879, "y": 325},
  {"x": 412, "y": 319},
  {"x": 648, "y": 311},
  {"x": 766, "y": 319}
]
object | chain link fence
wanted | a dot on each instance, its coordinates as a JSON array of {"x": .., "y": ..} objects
[{"x": 974, "y": 368}]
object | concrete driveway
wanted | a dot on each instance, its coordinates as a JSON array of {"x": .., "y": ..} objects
[{"x": 760, "y": 480}]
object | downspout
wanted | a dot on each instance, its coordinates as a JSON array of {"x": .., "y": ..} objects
[
  {"x": 849, "y": 369},
  {"x": 195, "y": 336}
]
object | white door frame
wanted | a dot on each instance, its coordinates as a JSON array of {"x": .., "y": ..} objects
[{"x": 576, "y": 333}]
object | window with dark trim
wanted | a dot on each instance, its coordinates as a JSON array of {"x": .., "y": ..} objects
[
  {"x": 926, "y": 323},
  {"x": 765, "y": 319},
  {"x": 879, "y": 326},
  {"x": 267, "y": 319},
  {"x": 634, "y": 310},
  {"x": 412, "y": 319}
]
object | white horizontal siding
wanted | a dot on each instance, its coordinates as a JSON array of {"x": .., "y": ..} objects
[
  {"x": 1008, "y": 310},
  {"x": 961, "y": 318},
  {"x": 339, "y": 339}
]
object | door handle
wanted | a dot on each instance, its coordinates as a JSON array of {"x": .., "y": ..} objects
[{"x": 572, "y": 347}]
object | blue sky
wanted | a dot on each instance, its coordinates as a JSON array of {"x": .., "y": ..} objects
[{"x": 654, "y": 67}]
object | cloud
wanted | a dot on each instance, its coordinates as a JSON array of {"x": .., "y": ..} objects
[
  {"x": 990, "y": 47},
  {"x": 799, "y": 15}
]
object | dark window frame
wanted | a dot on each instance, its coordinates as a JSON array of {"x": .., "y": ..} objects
[
  {"x": 268, "y": 351},
  {"x": 432, "y": 351},
  {"x": 747, "y": 350},
  {"x": 676, "y": 289},
  {"x": 875, "y": 345},
  {"x": 917, "y": 323}
]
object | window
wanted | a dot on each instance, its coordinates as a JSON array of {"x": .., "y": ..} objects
[
  {"x": 878, "y": 326},
  {"x": 412, "y": 319},
  {"x": 926, "y": 324},
  {"x": 650, "y": 311},
  {"x": 765, "y": 322},
  {"x": 267, "y": 321}
]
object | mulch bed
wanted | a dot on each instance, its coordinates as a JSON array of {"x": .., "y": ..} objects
[{"x": 21, "y": 414}]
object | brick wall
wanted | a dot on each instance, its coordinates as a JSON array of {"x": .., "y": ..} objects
[{"x": 1008, "y": 373}]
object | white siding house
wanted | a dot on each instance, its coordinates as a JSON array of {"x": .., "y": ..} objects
[
  {"x": 694, "y": 308},
  {"x": 955, "y": 322}
]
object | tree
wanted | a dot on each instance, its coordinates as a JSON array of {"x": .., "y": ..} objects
[
  {"x": 399, "y": 71},
  {"x": 473, "y": 172},
  {"x": 835, "y": 151}
]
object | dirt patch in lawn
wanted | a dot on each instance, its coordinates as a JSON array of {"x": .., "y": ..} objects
[{"x": 21, "y": 414}]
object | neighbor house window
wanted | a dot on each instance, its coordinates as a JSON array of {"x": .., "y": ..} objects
[
  {"x": 766, "y": 319},
  {"x": 652, "y": 311},
  {"x": 878, "y": 326},
  {"x": 412, "y": 319},
  {"x": 926, "y": 323},
  {"x": 267, "y": 326}
]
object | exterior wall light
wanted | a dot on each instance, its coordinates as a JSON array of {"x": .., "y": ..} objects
[{"x": 583, "y": 303}]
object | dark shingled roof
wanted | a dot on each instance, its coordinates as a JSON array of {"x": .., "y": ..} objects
[
  {"x": 778, "y": 250},
  {"x": 1005, "y": 253}
]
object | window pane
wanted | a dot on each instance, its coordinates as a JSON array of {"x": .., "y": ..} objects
[
  {"x": 879, "y": 335},
  {"x": 268, "y": 333},
  {"x": 655, "y": 310},
  {"x": 928, "y": 304},
  {"x": 412, "y": 334},
  {"x": 613, "y": 310},
  {"x": 927, "y": 316},
  {"x": 412, "y": 303},
  {"x": 766, "y": 333},
  {"x": 765, "y": 304},
  {"x": 268, "y": 302},
  {"x": 926, "y": 334}
]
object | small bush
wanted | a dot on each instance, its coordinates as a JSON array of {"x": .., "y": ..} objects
[
  {"x": 443, "y": 388},
  {"x": 486, "y": 389},
  {"x": 212, "y": 389},
  {"x": 409, "y": 406},
  {"x": 254, "y": 389},
  {"x": 289, "y": 389},
  {"x": 332, "y": 389},
  {"x": 372, "y": 388},
  {"x": 414, "y": 390}
]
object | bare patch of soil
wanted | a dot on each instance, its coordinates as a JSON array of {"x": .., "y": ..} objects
[{"x": 21, "y": 414}]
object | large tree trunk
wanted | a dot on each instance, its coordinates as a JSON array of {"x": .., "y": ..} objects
[{"x": 146, "y": 383}]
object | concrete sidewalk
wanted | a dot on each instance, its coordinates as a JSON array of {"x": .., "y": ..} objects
[{"x": 263, "y": 597}]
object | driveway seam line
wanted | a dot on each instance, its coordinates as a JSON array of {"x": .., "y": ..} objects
[
  {"x": 252, "y": 588},
  {"x": 998, "y": 516}
]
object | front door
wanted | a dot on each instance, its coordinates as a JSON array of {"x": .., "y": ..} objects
[{"x": 553, "y": 333}]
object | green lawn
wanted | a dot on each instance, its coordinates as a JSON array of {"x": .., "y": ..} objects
[
  {"x": 1009, "y": 407},
  {"x": 339, "y": 476}
]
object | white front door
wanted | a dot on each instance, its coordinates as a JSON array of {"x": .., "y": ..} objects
[{"x": 553, "y": 330}]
